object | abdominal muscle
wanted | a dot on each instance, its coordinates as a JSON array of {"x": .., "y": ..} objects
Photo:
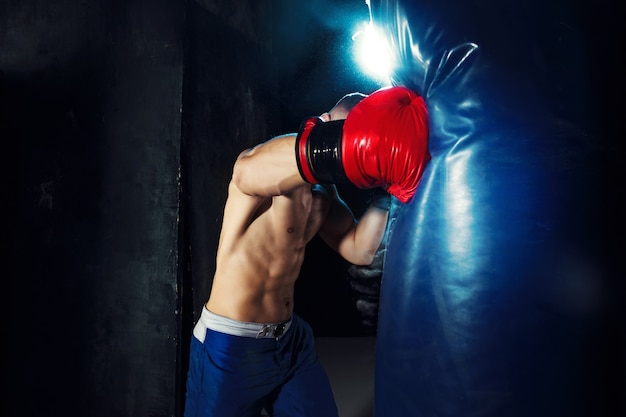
[
  {"x": 254, "y": 306},
  {"x": 257, "y": 268},
  {"x": 253, "y": 294}
]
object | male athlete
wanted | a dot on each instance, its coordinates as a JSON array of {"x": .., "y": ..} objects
[{"x": 249, "y": 351}]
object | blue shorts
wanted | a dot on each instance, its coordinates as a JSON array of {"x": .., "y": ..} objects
[{"x": 243, "y": 368}]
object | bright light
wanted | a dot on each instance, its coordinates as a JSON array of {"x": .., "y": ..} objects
[{"x": 372, "y": 52}]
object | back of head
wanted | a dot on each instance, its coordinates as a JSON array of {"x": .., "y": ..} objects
[{"x": 350, "y": 100}]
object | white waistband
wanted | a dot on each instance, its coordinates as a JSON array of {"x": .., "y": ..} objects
[{"x": 209, "y": 320}]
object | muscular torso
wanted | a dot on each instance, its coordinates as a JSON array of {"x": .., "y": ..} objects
[{"x": 261, "y": 251}]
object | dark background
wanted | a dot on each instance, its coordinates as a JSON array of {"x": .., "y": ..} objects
[{"x": 119, "y": 123}]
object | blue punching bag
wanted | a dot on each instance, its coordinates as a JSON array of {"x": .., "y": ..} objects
[{"x": 497, "y": 298}]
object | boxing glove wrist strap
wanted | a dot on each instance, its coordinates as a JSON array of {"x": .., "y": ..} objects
[{"x": 318, "y": 151}]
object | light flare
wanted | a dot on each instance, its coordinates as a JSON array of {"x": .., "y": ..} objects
[{"x": 372, "y": 52}]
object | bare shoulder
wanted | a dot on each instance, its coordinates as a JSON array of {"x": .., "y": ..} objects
[
  {"x": 241, "y": 209},
  {"x": 268, "y": 169}
]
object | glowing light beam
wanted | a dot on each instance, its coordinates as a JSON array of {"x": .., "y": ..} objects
[{"x": 372, "y": 53}]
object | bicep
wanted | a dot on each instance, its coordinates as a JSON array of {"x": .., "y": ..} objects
[{"x": 268, "y": 169}]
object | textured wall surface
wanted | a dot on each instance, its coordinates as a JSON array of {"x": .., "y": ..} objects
[{"x": 91, "y": 99}]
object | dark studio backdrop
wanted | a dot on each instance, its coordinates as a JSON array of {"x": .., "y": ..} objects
[{"x": 119, "y": 124}]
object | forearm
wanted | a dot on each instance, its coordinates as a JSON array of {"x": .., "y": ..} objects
[
  {"x": 368, "y": 234},
  {"x": 356, "y": 241},
  {"x": 269, "y": 169}
]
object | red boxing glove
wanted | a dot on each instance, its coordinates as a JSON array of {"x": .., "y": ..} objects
[
  {"x": 382, "y": 143},
  {"x": 385, "y": 142}
]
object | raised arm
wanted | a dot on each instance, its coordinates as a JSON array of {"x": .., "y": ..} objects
[
  {"x": 268, "y": 169},
  {"x": 357, "y": 241}
]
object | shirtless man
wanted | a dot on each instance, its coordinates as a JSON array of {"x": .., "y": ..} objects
[{"x": 249, "y": 351}]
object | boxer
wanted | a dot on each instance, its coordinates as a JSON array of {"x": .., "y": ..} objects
[{"x": 249, "y": 351}]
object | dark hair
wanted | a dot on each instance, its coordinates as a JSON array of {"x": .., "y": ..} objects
[{"x": 350, "y": 100}]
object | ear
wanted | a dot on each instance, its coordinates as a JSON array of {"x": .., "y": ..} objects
[{"x": 325, "y": 117}]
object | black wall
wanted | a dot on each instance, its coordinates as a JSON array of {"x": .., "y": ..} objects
[{"x": 90, "y": 129}]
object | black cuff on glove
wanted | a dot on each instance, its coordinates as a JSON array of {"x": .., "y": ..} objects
[{"x": 318, "y": 146}]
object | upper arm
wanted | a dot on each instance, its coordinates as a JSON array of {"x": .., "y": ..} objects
[
  {"x": 357, "y": 241},
  {"x": 268, "y": 169}
]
